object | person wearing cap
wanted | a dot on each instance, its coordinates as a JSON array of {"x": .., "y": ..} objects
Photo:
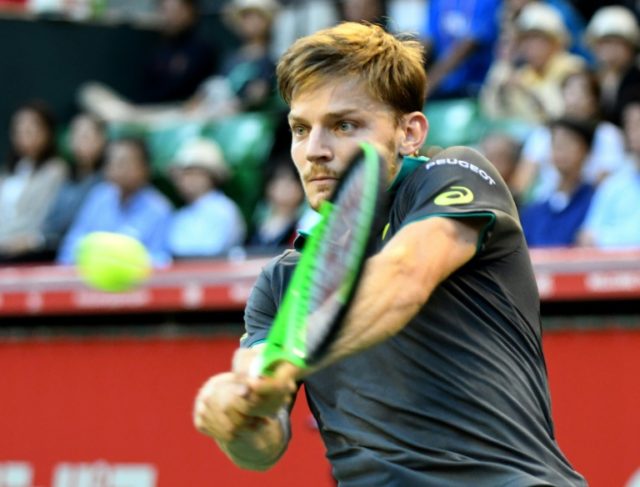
[
  {"x": 555, "y": 221},
  {"x": 209, "y": 223},
  {"x": 614, "y": 35},
  {"x": 532, "y": 91}
]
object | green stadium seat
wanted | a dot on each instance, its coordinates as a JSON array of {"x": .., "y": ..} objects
[
  {"x": 164, "y": 141},
  {"x": 246, "y": 140},
  {"x": 516, "y": 128},
  {"x": 453, "y": 122}
]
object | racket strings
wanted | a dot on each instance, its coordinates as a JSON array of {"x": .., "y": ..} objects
[{"x": 350, "y": 219}]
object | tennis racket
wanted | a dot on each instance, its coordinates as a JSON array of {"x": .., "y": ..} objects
[{"x": 327, "y": 275}]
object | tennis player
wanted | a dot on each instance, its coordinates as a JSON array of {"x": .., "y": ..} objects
[{"x": 438, "y": 376}]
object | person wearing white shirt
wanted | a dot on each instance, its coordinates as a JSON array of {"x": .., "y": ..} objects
[
  {"x": 613, "y": 220},
  {"x": 210, "y": 223}
]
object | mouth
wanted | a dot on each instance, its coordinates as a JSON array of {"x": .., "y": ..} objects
[{"x": 323, "y": 179}]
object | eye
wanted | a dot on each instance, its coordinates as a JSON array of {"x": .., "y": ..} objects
[
  {"x": 346, "y": 126},
  {"x": 298, "y": 130}
]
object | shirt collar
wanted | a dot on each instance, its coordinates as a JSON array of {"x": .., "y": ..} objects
[{"x": 409, "y": 164}]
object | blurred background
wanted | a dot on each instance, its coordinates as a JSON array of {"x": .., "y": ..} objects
[{"x": 149, "y": 117}]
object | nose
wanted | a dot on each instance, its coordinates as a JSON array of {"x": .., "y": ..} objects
[{"x": 318, "y": 146}]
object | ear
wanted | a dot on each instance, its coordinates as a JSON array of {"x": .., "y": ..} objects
[{"x": 414, "y": 128}]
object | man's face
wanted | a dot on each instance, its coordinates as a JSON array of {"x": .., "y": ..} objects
[
  {"x": 537, "y": 49},
  {"x": 327, "y": 123},
  {"x": 569, "y": 151},
  {"x": 126, "y": 167},
  {"x": 614, "y": 52}
]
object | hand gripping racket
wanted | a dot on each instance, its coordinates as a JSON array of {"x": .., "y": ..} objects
[{"x": 327, "y": 275}]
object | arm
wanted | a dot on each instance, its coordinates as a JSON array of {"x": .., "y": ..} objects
[
  {"x": 399, "y": 280},
  {"x": 454, "y": 58}
]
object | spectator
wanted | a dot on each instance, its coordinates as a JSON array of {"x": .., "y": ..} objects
[
  {"x": 250, "y": 71},
  {"x": 372, "y": 11},
  {"x": 572, "y": 18},
  {"x": 245, "y": 83},
  {"x": 276, "y": 219},
  {"x": 614, "y": 35},
  {"x": 613, "y": 220},
  {"x": 30, "y": 181},
  {"x": 210, "y": 223},
  {"x": 503, "y": 150},
  {"x": 183, "y": 60},
  {"x": 125, "y": 203},
  {"x": 537, "y": 176},
  {"x": 459, "y": 38},
  {"x": 556, "y": 221},
  {"x": 87, "y": 143},
  {"x": 531, "y": 90},
  {"x": 588, "y": 8}
]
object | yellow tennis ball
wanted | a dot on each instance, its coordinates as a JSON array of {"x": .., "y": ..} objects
[{"x": 112, "y": 262}]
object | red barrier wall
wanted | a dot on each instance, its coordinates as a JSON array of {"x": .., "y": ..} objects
[{"x": 128, "y": 401}]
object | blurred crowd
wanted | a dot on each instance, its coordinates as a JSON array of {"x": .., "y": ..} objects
[{"x": 556, "y": 83}]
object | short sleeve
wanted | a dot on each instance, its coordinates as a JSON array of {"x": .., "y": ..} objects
[
  {"x": 458, "y": 183},
  {"x": 265, "y": 297}
]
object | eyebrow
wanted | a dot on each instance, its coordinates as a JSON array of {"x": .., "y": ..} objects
[{"x": 292, "y": 117}]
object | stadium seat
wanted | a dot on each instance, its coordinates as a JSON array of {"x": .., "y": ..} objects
[
  {"x": 453, "y": 122},
  {"x": 246, "y": 140}
]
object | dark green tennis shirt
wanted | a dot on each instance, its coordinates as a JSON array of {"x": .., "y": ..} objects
[{"x": 459, "y": 397}]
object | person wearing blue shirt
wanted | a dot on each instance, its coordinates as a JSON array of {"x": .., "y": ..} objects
[
  {"x": 210, "y": 223},
  {"x": 613, "y": 220},
  {"x": 460, "y": 37},
  {"x": 556, "y": 221},
  {"x": 125, "y": 202}
]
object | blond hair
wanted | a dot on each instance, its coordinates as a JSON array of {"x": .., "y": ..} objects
[{"x": 391, "y": 68}]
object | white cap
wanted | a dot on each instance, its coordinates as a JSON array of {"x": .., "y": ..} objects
[
  {"x": 614, "y": 21},
  {"x": 540, "y": 17},
  {"x": 268, "y": 7},
  {"x": 203, "y": 153}
]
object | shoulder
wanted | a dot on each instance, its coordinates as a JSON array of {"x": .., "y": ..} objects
[
  {"x": 55, "y": 167},
  {"x": 568, "y": 62},
  {"x": 464, "y": 160},
  {"x": 625, "y": 177},
  {"x": 220, "y": 200},
  {"x": 156, "y": 199},
  {"x": 279, "y": 267},
  {"x": 607, "y": 130}
]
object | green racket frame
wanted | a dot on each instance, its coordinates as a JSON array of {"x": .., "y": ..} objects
[{"x": 287, "y": 338}]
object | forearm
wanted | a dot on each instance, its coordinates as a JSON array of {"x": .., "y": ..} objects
[
  {"x": 379, "y": 312},
  {"x": 398, "y": 282},
  {"x": 450, "y": 62}
]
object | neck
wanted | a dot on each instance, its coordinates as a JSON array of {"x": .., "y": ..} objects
[
  {"x": 127, "y": 194},
  {"x": 569, "y": 183}
]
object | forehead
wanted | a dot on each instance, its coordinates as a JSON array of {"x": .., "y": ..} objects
[
  {"x": 125, "y": 150},
  {"x": 342, "y": 95}
]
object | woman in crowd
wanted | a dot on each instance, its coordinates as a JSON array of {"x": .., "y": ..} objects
[
  {"x": 537, "y": 177},
  {"x": 30, "y": 181}
]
